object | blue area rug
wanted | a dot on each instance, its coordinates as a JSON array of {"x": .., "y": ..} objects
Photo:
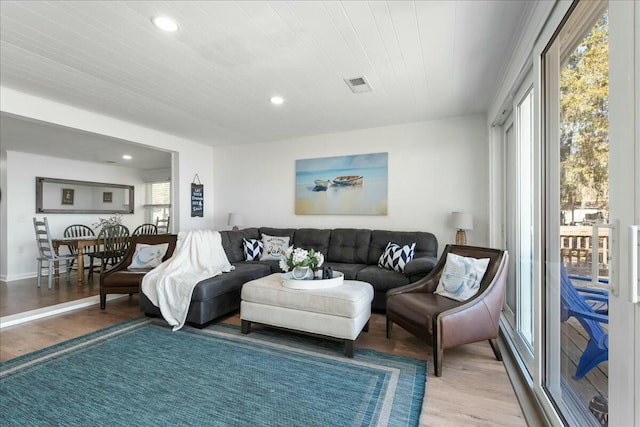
[{"x": 140, "y": 373}]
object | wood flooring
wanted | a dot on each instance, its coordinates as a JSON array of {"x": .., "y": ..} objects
[{"x": 473, "y": 391}]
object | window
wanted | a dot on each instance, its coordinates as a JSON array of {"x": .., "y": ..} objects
[{"x": 158, "y": 201}]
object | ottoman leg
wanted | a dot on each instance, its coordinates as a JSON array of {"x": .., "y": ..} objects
[
  {"x": 245, "y": 327},
  {"x": 348, "y": 348},
  {"x": 366, "y": 326}
]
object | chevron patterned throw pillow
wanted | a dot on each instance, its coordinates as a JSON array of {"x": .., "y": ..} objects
[
  {"x": 395, "y": 257},
  {"x": 252, "y": 249}
]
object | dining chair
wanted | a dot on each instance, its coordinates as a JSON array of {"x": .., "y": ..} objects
[
  {"x": 145, "y": 229},
  {"x": 47, "y": 253},
  {"x": 115, "y": 242},
  {"x": 80, "y": 230},
  {"x": 163, "y": 225}
]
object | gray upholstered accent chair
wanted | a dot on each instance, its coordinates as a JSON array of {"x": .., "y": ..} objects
[{"x": 444, "y": 322}]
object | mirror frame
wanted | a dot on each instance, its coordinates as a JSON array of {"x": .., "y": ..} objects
[{"x": 40, "y": 181}]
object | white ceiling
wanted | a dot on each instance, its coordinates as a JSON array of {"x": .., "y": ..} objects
[
  {"x": 47, "y": 139},
  {"x": 211, "y": 81}
]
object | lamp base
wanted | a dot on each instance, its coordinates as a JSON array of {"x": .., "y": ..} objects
[{"x": 461, "y": 238}]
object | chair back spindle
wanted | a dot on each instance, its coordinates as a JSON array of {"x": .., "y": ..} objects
[
  {"x": 145, "y": 230},
  {"x": 162, "y": 225}
]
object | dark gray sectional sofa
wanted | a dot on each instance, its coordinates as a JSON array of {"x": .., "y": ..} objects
[{"x": 355, "y": 252}]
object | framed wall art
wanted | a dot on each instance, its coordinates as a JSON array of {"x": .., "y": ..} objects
[
  {"x": 344, "y": 185},
  {"x": 67, "y": 196}
]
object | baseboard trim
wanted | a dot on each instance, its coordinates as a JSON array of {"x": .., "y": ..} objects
[{"x": 40, "y": 313}]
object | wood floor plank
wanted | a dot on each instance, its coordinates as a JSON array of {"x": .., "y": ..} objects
[{"x": 474, "y": 389}]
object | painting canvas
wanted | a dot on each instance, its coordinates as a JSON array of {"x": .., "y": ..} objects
[{"x": 344, "y": 185}]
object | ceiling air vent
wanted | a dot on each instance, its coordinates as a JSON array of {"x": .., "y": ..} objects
[{"x": 358, "y": 84}]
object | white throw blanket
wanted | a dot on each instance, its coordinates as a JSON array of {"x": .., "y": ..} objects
[{"x": 198, "y": 255}]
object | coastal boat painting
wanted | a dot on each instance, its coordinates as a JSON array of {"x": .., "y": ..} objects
[{"x": 344, "y": 185}]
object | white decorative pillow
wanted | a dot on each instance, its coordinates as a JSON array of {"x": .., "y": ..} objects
[
  {"x": 253, "y": 249},
  {"x": 274, "y": 247},
  {"x": 148, "y": 256},
  {"x": 395, "y": 257},
  {"x": 461, "y": 277}
]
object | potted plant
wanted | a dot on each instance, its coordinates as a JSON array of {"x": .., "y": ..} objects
[{"x": 301, "y": 262}]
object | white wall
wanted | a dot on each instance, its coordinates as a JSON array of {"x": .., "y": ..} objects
[
  {"x": 435, "y": 167},
  {"x": 190, "y": 157},
  {"x": 21, "y": 171}
]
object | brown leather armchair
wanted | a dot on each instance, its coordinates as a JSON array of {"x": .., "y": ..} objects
[
  {"x": 119, "y": 279},
  {"x": 444, "y": 322}
]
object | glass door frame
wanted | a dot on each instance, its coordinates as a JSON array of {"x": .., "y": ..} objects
[
  {"x": 625, "y": 17},
  {"x": 624, "y": 318}
]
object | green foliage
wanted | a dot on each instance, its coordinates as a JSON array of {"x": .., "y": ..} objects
[{"x": 584, "y": 118}]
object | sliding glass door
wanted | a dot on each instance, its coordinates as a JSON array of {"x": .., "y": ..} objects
[
  {"x": 518, "y": 146},
  {"x": 591, "y": 203}
]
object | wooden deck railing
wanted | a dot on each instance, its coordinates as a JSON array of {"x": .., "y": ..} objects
[{"x": 576, "y": 248}]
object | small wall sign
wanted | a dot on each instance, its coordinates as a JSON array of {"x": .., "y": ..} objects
[{"x": 197, "y": 198}]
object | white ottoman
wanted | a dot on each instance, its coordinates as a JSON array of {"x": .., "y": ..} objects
[{"x": 340, "y": 312}]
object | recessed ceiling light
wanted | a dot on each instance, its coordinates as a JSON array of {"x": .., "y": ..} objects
[
  {"x": 276, "y": 100},
  {"x": 165, "y": 23},
  {"x": 126, "y": 157}
]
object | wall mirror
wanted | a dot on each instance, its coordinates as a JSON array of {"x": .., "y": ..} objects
[{"x": 68, "y": 196}]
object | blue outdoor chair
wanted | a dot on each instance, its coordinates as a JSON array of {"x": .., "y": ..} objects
[
  {"x": 598, "y": 299},
  {"x": 575, "y": 303}
]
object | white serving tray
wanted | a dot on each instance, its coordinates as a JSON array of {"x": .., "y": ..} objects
[{"x": 289, "y": 282}]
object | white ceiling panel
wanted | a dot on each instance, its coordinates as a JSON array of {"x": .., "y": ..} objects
[{"x": 211, "y": 81}]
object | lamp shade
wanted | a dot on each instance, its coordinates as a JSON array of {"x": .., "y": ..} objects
[
  {"x": 234, "y": 219},
  {"x": 461, "y": 221}
]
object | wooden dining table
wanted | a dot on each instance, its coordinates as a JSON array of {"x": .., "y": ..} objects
[{"x": 79, "y": 243}]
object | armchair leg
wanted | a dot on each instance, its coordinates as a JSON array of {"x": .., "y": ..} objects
[
  {"x": 438, "y": 352},
  {"x": 389, "y": 327},
  {"x": 437, "y": 361},
  {"x": 496, "y": 349},
  {"x": 103, "y": 301}
]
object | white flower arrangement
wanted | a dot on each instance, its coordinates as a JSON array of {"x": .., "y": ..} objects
[
  {"x": 107, "y": 222},
  {"x": 298, "y": 257}
]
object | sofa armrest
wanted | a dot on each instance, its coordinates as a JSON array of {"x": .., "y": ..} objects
[{"x": 420, "y": 266}]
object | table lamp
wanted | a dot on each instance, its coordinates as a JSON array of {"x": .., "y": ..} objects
[
  {"x": 234, "y": 219},
  {"x": 461, "y": 221}
]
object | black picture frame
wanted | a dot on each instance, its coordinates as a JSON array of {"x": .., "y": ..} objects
[
  {"x": 107, "y": 197},
  {"x": 67, "y": 196}
]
